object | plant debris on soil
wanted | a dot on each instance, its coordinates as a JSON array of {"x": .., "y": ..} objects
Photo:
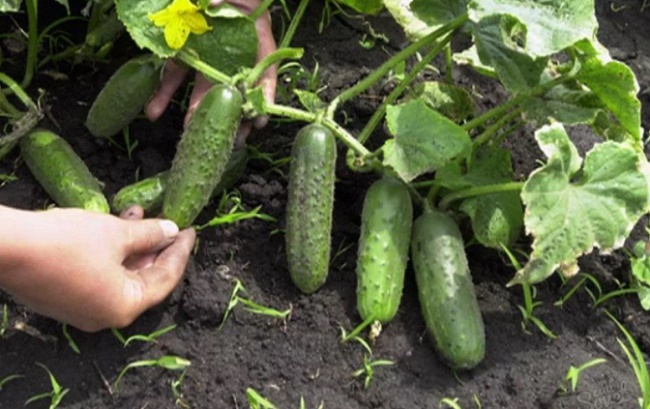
[{"x": 301, "y": 355}]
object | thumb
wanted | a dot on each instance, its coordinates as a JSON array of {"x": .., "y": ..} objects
[{"x": 149, "y": 236}]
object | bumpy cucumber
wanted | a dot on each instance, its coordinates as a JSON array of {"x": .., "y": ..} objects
[
  {"x": 202, "y": 154},
  {"x": 446, "y": 291},
  {"x": 383, "y": 249},
  {"x": 149, "y": 193},
  {"x": 309, "y": 207},
  {"x": 124, "y": 96},
  {"x": 63, "y": 175}
]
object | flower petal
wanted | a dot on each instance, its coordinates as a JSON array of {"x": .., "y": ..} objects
[
  {"x": 176, "y": 33},
  {"x": 163, "y": 17},
  {"x": 184, "y": 6},
  {"x": 196, "y": 23}
]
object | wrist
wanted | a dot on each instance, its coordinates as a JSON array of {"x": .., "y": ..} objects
[{"x": 16, "y": 227}]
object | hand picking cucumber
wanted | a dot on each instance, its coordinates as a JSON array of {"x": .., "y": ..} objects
[
  {"x": 124, "y": 96},
  {"x": 202, "y": 154},
  {"x": 149, "y": 193},
  {"x": 63, "y": 175},
  {"x": 309, "y": 207},
  {"x": 446, "y": 291},
  {"x": 383, "y": 249}
]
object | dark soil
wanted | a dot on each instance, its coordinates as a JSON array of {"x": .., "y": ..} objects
[{"x": 302, "y": 356}]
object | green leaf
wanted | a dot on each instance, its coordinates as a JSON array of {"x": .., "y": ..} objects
[
  {"x": 10, "y": 6},
  {"x": 470, "y": 57},
  {"x": 371, "y": 7},
  {"x": 562, "y": 104},
  {"x": 497, "y": 218},
  {"x": 452, "y": 101},
  {"x": 310, "y": 100},
  {"x": 424, "y": 140},
  {"x": 550, "y": 25},
  {"x": 572, "y": 209},
  {"x": 497, "y": 43},
  {"x": 616, "y": 86},
  {"x": 438, "y": 12},
  {"x": 230, "y": 45}
]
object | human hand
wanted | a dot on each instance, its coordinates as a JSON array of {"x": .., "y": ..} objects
[
  {"x": 96, "y": 271},
  {"x": 174, "y": 75}
]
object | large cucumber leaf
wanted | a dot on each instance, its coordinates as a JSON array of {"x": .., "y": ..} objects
[
  {"x": 230, "y": 45},
  {"x": 550, "y": 25},
  {"x": 572, "y": 207},
  {"x": 424, "y": 140},
  {"x": 438, "y": 12},
  {"x": 571, "y": 106}
]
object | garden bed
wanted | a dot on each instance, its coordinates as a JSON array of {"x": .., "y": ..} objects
[{"x": 302, "y": 356}]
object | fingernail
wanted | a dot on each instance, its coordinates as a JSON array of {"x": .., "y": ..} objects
[{"x": 169, "y": 228}]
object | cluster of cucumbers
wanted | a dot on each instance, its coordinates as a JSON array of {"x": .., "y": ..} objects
[
  {"x": 205, "y": 164},
  {"x": 446, "y": 291}
]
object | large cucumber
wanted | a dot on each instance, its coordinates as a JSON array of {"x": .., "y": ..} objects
[
  {"x": 202, "y": 154},
  {"x": 63, "y": 175},
  {"x": 124, "y": 96},
  {"x": 149, "y": 193},
  {"x": 446, "y": 291},
  {"x": 309, "y": 206},
  {"x": 383, "y": 249}
]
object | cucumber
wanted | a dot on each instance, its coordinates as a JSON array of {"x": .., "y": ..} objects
[
  {"x": 106, "y": 31},
  {"x": 383, "y": 252},
  {"x": 446, "y": 291},
  {"x": 124, "y": 96},
  {"x": 63, "y": 175},
  {"x": 149, "y": 193},
  {"x": 202, "y": 154},
  {"x": 309, "y": 207}
]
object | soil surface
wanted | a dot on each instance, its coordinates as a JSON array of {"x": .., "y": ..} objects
[{"x": 302, "y": 356}]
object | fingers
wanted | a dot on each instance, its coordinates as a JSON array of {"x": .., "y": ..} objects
[
  {"x": 132, "y": 213},
  {"x": 148, "y": 236},
  {"x": 172, "y": 78},
  {"x": 201, "y": 87},
  {"x": 160, "y": 279},
  {"x": 265, "y": 47}
]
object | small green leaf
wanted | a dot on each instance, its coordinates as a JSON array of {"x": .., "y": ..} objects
[
  {"x": 548, "y": 26},
  {"x": 616, "y": 86},
  {"x": 371, "y": 7},
  {"x": 424, "y": 140},
  {"x": 310, "y": 100},
  {"x": 498, "y": 45},
  {"x": 438, "y": 12},
  {"x": 570, "y": 210},
  {"x": 452, "y": 101}
]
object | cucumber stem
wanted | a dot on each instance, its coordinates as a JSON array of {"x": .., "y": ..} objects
[
  {"x": 357, "y": 330},
  {"x": 395, "y": 93},
  {"x": 377, "y": 74},
  {"x": 295, "y": 22},
  {"x": 7, "y": 108},
  {"x": 282, "y": 54},
  {"x": 479, "y": 191},
  {"x": 32, "y": 41},
  {"x": 205, "y": 69},
  {"x": 337, "y": 130},
  {"x": 493, "y": 129},
  {"x": 449, "y": 64},
  {"x": 18, "y": 91},
  {"x": 495, "y": 112}
]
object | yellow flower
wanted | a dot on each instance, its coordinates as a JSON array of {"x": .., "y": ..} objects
[{"x": 179, "y": 19}]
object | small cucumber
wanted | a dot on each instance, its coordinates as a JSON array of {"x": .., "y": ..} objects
[
  {"x": 124, "y": 96},
  {"x": 202, "y": 154},
  {"x": 63, "y": 175},
  {"x": 106, "y": 31},
  {"x": 309, "y": 207},
  {"x": 446, "y": 292},
  {"x": 383, "y": 249},
  {"x": 149, "y": 193}
]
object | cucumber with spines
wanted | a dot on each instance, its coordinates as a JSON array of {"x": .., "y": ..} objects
[
  {"x": 202, "y": 154},
  {"x": 61, "y": 172},
  {"x": 383, "y": 251},
  {"x": 309, "y": 206},
  {"x": 124, "y": 96},
  {"x": 446, "y": 291}
]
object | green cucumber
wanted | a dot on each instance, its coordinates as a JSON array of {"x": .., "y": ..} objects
[
  {"x": 309, "y": 207},
  {"x": 124, "y": 96},
  {"x": 148, "y": 193},
  {"x": 383, "y": 249},
  {"x": 63, "y": 175},
  {"x": 447, "y": 297},
  {"x": 106, "y": 31},
  {"x": 202, "y": 154}
]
